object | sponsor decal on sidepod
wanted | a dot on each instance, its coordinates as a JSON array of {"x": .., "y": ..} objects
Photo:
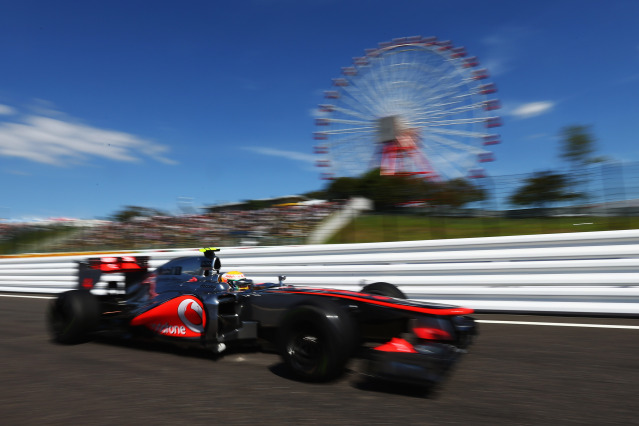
[{"x": 179, "y": 317}]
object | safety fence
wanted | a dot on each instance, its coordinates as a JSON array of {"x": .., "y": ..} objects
[{"x": 580, "y": 273}]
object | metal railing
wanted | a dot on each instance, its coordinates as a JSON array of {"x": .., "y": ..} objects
[{"x": 589, "y": 273}]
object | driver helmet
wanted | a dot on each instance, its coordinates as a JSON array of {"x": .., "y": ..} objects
[{"x": 237, "y": 280}]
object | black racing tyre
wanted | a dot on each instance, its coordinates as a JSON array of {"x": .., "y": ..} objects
[
  {"x": 316, "y": 340},
  {"x": 73, "y": 315},
  {"x": 384, "y": 289}
]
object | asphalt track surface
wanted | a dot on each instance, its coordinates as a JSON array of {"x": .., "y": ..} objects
[{"x": 516, "y": 374}]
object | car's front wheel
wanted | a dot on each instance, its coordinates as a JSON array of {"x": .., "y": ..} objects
[{"x": 316, "y": 341}]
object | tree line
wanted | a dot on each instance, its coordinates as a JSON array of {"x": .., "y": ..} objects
[
  {"x": 541, "y": 189},
  {"x": 391, "y": 192}
]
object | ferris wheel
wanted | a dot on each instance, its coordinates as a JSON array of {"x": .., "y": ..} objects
[{"x": 412, "y": 106}]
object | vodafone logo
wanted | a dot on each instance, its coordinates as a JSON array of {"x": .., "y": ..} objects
[
  {"x": 183, "y": 316},
  {"x": 192, "y": 315}
]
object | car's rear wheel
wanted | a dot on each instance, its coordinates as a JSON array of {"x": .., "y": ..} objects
[
  {"x": 73, "y": 315},
  {"x": 384, "y": 289},
  {"x": 316, "y": 341}
]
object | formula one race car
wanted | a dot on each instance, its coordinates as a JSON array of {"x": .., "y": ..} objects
[{"x": 317, "y": 331}]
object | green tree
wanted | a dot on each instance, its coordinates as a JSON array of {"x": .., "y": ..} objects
[
  {"x": 578, "y": 146},
  {"x": 318, "y": 195},
  {"x": 456, "y": 193},
  {"x": 577, "y": 149},
  {"x": 387, "y": 191},
  {"x": 343, "y": 188},
  {"x": 542, "y": 189}
]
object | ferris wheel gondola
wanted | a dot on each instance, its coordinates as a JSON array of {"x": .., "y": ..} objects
[{"x": 412, "y": 106}]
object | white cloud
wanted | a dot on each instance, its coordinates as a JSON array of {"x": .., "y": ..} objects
[
  {"x": 532, "y": 109},
  {"x": 496, "y": 66},
  {"x": 63, "y": 142},
  {"x": 6, "y": 110},
  {"x": 503, "y": 47},
  {"x": 290, "y": 155}
]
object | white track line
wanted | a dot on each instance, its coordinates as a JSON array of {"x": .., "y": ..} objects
[
  {"x": 560, "y": 324},
  {"x": 24, "y": 296}
]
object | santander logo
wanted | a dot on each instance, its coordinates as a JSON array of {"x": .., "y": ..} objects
[{"x": 191, "y": 314}]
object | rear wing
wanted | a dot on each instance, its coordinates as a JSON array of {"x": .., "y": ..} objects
[{"x": 90, "y": 270}]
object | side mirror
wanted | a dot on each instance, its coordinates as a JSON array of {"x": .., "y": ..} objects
[{"x": 217, "y": 264}]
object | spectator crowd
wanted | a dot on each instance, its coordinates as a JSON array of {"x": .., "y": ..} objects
[{"x": 288, "y": 223}]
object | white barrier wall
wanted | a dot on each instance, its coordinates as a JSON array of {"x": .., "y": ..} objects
[{"x": 592, "y": 273}]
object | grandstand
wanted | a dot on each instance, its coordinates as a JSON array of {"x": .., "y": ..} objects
[{"x": 287, "y": 220}]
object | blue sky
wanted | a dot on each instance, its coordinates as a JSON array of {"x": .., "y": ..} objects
[{"x": 149, "y": 103}]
